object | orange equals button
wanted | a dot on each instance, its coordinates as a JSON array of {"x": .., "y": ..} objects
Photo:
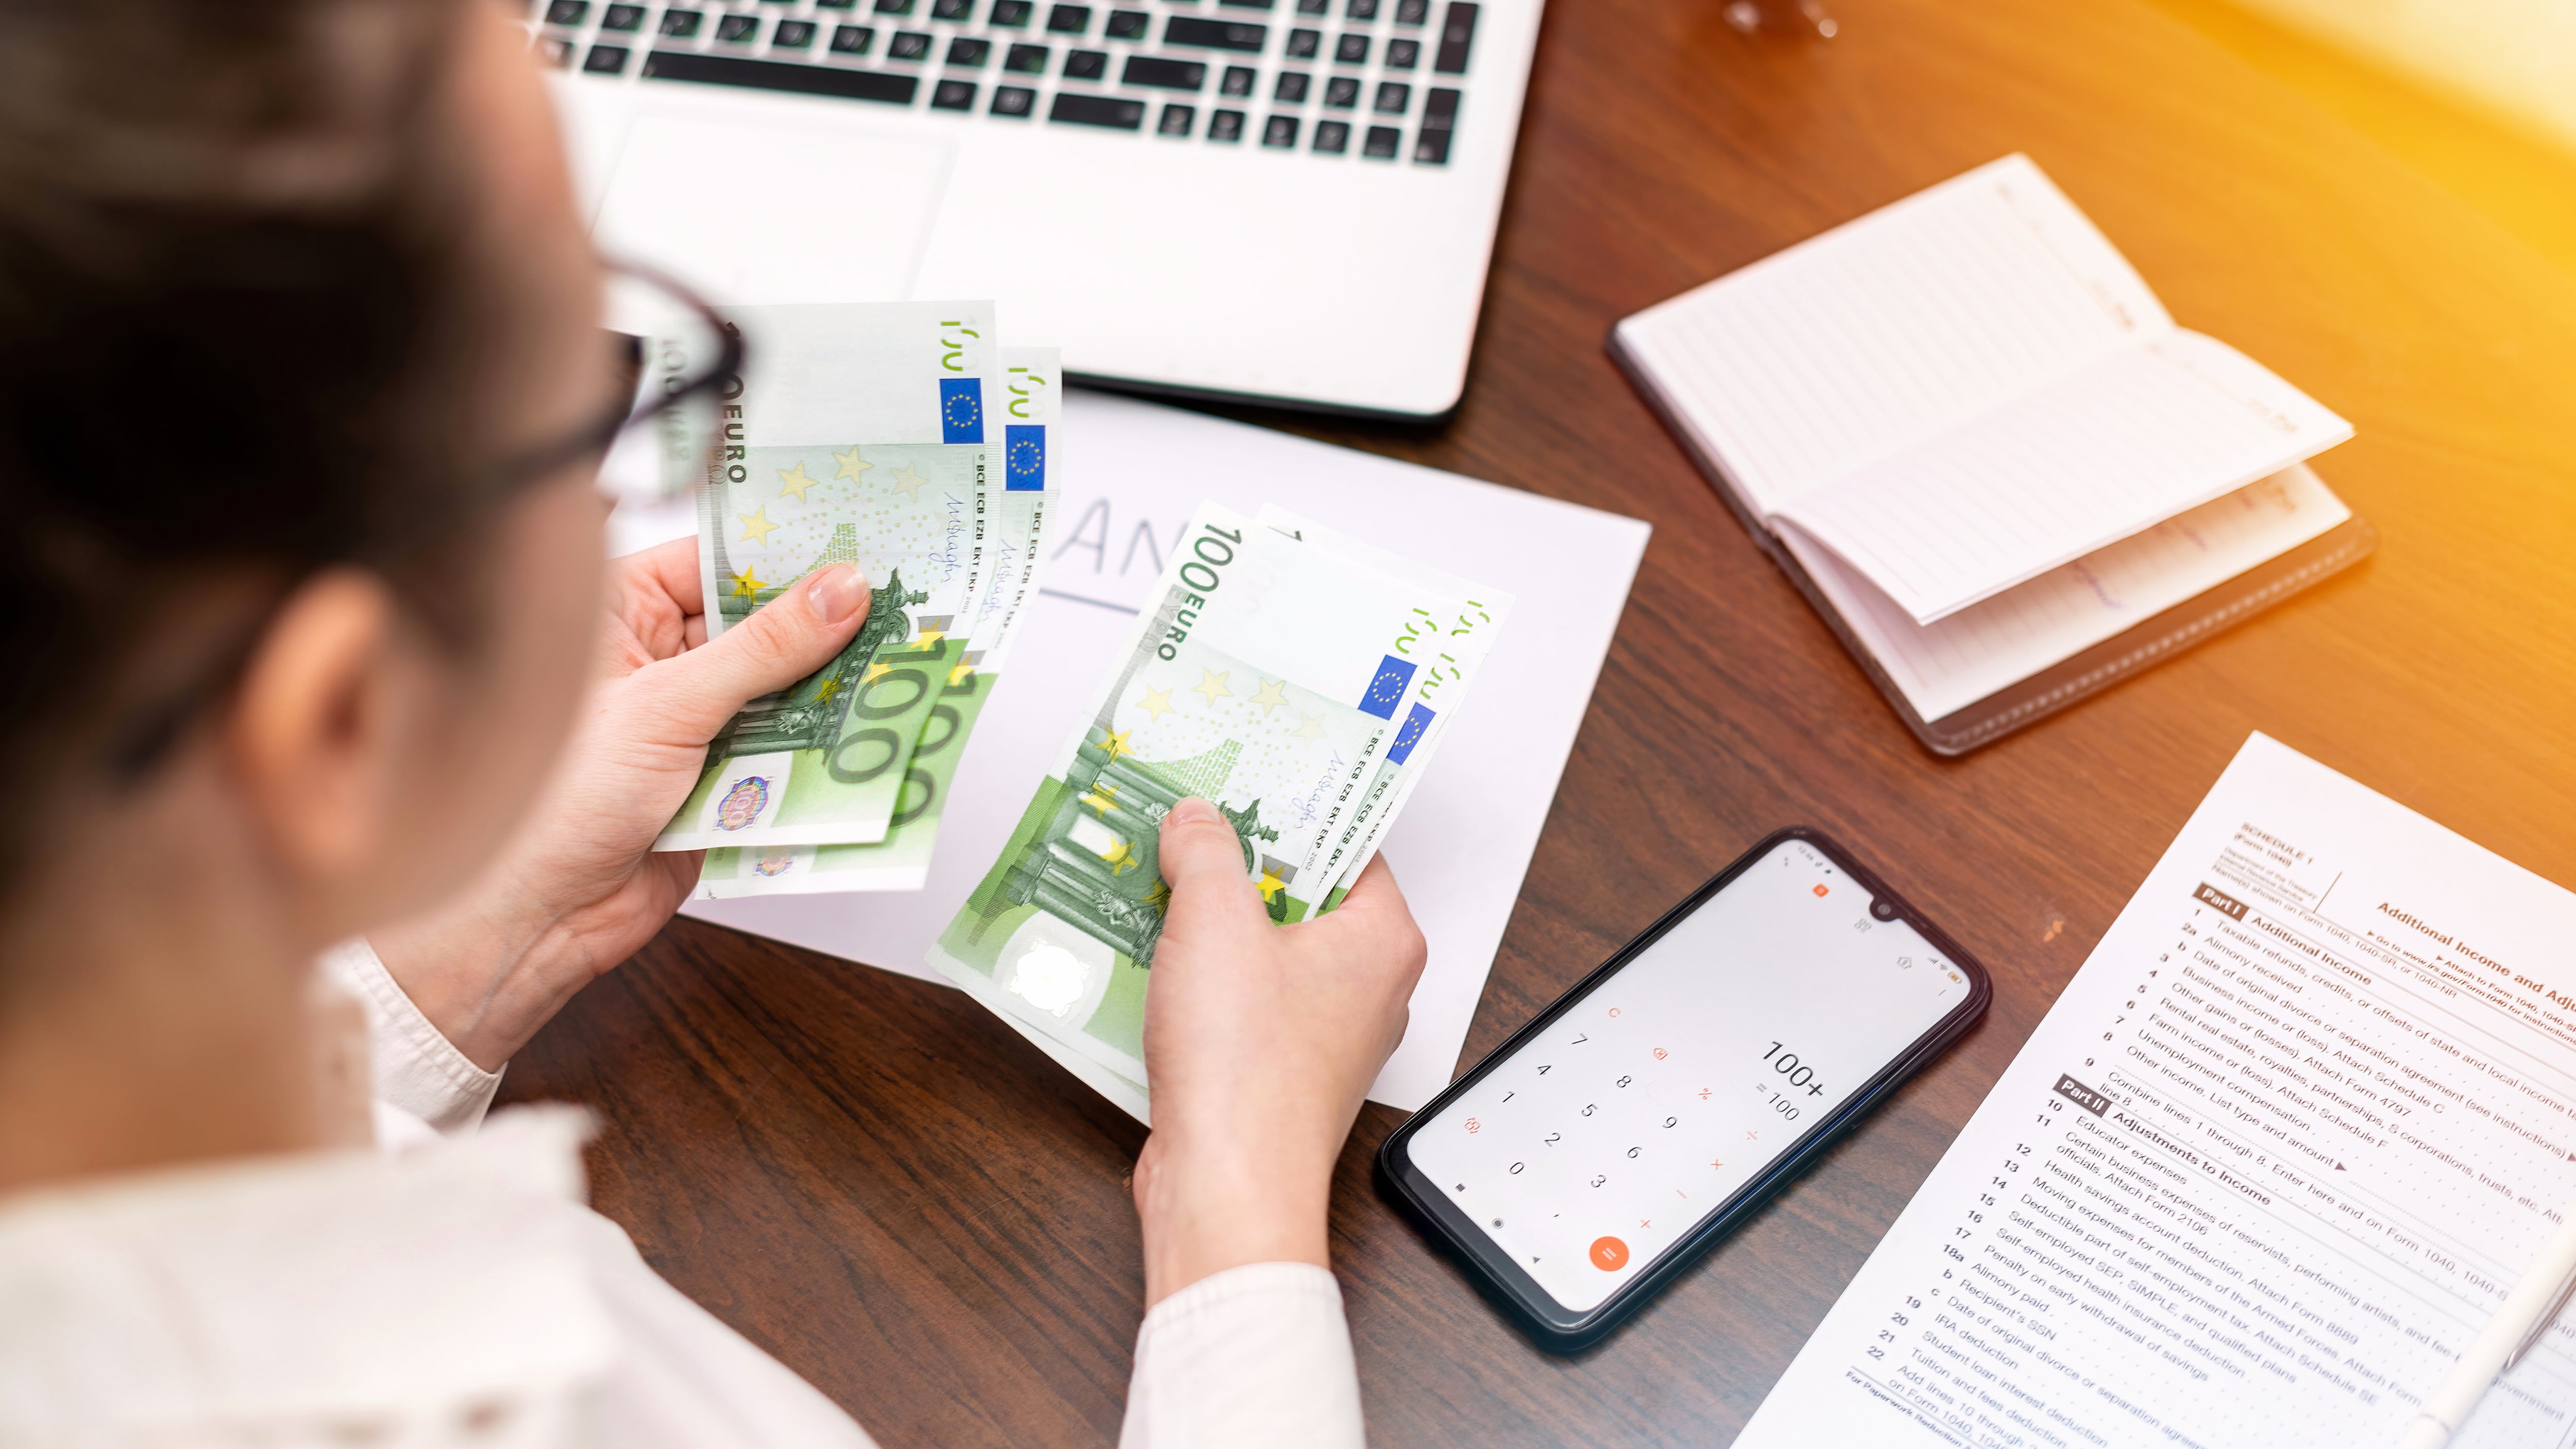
[{"x": 1609, "y": 1254}]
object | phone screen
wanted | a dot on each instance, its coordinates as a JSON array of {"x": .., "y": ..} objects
[{"x": 1671, "y": 1084}]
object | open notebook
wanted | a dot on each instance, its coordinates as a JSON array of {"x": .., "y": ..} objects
[{"x": 1973, "y": 437}]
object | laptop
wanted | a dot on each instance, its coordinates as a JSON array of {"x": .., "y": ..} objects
[{"x": 1285, "y": 200}]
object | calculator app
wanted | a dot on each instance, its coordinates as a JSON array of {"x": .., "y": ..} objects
[{"x": 1673, "y": 1083}]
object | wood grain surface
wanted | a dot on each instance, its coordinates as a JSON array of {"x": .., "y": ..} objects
[{"x": 893, "y": 1194}]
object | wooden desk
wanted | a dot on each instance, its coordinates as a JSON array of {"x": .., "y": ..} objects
[{"x": 887, "y": 1189}]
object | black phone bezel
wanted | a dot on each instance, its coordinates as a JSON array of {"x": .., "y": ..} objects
[{"x": 1494, "y": 1272}]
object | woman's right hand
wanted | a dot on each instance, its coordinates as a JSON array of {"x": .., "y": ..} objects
[{"x": 1261, "y": 1041}]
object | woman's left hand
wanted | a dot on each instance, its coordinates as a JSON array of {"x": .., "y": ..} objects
[{"x": 580, "y": 887}]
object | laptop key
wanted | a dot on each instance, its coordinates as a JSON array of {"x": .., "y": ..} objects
[
  {"x": 1313, "y": 7},
  {"x": 1412, "y": 12},
  {"x": 1440, "y": 110},
  {"x": 622, "y": 17},
  {"x": 1403, "y": 54},
  {"x": 894, "y": 7},
  {"x": 1360, "y": 10},
  {"x": 1215, "y": 34},
  {"x": 1431, "y": 148},
  {"x": 681, "y": 24},
  {"x": 836, "y": 4},
  {"x": 740, "y": 29},
  {"x": 1176, "y": 121},
  {"x": 959, "y": 10},
  {"x": 1226, "y": 126},
  {"x": 792, "y": 35},
  {"x": 1342, "y": 92},
  {"x": 1086, "y": 64},
  {"x": 1332, "y": 137},
  {"x": 1069, "y": 19},
  {"x": 853, "y": 40},
  {"x": 1011, "y": 14},
  {"x": 1244, "y": 5},
  {"x": 1025, "y": 59},
  {"x": 967, "y": 52},
  {"x": 1382, "y": 143},
  {"x": 772, "y": 75},
  {"x": 568, "y": 12},
  {"x": 1290, "y": 88},
  {"x": 605, "y": 60},
  {"x": 1238, "y": 81},
  {"x": 1014, "y": 101},
  {"x": 1279, "y": 131},
  {"x": 953, "y": 95},
  {"x": 1110, "y": 111},
  {"x": 1393, "y": 98},
  {"x": 1303, "y": 44},
  {"x": 557, "y": 52},
  {"x": 908, "y": 45},
  {"x": 1127, "y": 24},
  {"x": 1170, "y": 75},
  {"x": 1457, "y": 32},
  {"x": 1350, "y": 50}
]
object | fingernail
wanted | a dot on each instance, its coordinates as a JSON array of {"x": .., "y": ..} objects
[
  {"x": 1194, "y": 811},
  {"x": 837, "y": 593}
]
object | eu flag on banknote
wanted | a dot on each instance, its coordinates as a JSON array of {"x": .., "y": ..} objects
[
  {"x": 1416, "y": 720},
  {"x": 1387, "y": 690},
  {"x": 1023, "y": 457},
  {"x": 961, "y": 410}
]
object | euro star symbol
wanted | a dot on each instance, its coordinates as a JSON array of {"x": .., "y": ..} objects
[
  {"x": 1212, "y": 684},
  {"x": 1270, "y": 884},
  {"x": 852, "y": 465},
  {"x": 963, "y": 672},
  {"x": 745, "y": 586},
  {"x": 1160, "y": 896},
  {"x": 756, "y": 527},
  {"x": 929, "y": 637},
  {"x": 1102, "y": 798},
  {"x": 1156, "y": 703},
  {"x": 1115, "y": 742},
  {"x": 1274, "y": 693},
  {"x": 823, "y": 693},
  {"x": 907, "y": 482},
  {"x": 1312, "y": 729},
  {"x": 1121, "y": 860},
  {"x": 876, "y": 671},
  {"x": 793, "y": 480}
]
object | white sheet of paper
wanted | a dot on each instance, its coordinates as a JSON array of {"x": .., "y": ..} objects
[
  {"x": 2269, "y": 1164},
  {"x": 1132, "y": 472}
]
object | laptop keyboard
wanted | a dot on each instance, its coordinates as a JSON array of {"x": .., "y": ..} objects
[{"x": 1376, "y": 80}]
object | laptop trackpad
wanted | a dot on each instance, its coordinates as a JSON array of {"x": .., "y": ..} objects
[{"x": 754, "y": 213}]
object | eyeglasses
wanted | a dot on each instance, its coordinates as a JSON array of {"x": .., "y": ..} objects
[{"x": 672, "y": 359}]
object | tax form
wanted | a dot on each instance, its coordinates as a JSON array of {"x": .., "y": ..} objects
[{"x": 2268, "y": 1165}]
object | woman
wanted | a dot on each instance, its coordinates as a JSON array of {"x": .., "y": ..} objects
[{"x": 299, "y": 386}]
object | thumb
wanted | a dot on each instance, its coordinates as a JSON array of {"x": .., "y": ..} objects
[
  {"x": 790, "y": 637},
  {"x": 1202, "y": 860}
]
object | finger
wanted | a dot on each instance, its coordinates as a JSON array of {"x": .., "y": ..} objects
[
  {"x": 790, "y": 637},
  {"x": 1375, "y": 912},
  {"x": 670, "y": 568},
  {"x": 1202, "y": 861}
]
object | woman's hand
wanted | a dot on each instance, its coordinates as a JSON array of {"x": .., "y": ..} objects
[
  {"x": 1261, "y": 1041},
  {"x": 579, "y": 888}
]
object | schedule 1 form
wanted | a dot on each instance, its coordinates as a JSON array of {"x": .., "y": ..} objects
[{"x": 2266, "y": 1168}]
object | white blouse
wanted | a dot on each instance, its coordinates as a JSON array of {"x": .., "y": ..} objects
[{"x": 452, "y": 1290}]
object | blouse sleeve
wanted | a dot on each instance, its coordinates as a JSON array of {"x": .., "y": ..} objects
[
  {"x": 1249, "y": 1358},
  {"x": 417, "y": 1070}
]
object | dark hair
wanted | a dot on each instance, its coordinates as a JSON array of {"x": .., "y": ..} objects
[{"x": 229, "y": 275}]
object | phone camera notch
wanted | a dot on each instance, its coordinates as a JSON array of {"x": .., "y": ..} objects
[{"x": 1882, "y": 909}]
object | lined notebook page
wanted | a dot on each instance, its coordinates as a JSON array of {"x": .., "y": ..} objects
[
  {"x": 1991, "y": 646},
  {"x": 2132, "y": 440},
  {"x": 1799, "y": 368}
]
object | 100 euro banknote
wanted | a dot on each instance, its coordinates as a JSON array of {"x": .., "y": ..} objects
[
  {"x": 1266, "y": 678},
  {"x": 824, "y": 760},
  {"x": 1011, "y": 518}
]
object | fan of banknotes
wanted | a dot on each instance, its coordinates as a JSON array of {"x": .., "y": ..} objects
[{"x": 1298, "y": 679}]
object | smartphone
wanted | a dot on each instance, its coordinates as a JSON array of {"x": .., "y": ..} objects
[{"x": 1661, "y": 1101}]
